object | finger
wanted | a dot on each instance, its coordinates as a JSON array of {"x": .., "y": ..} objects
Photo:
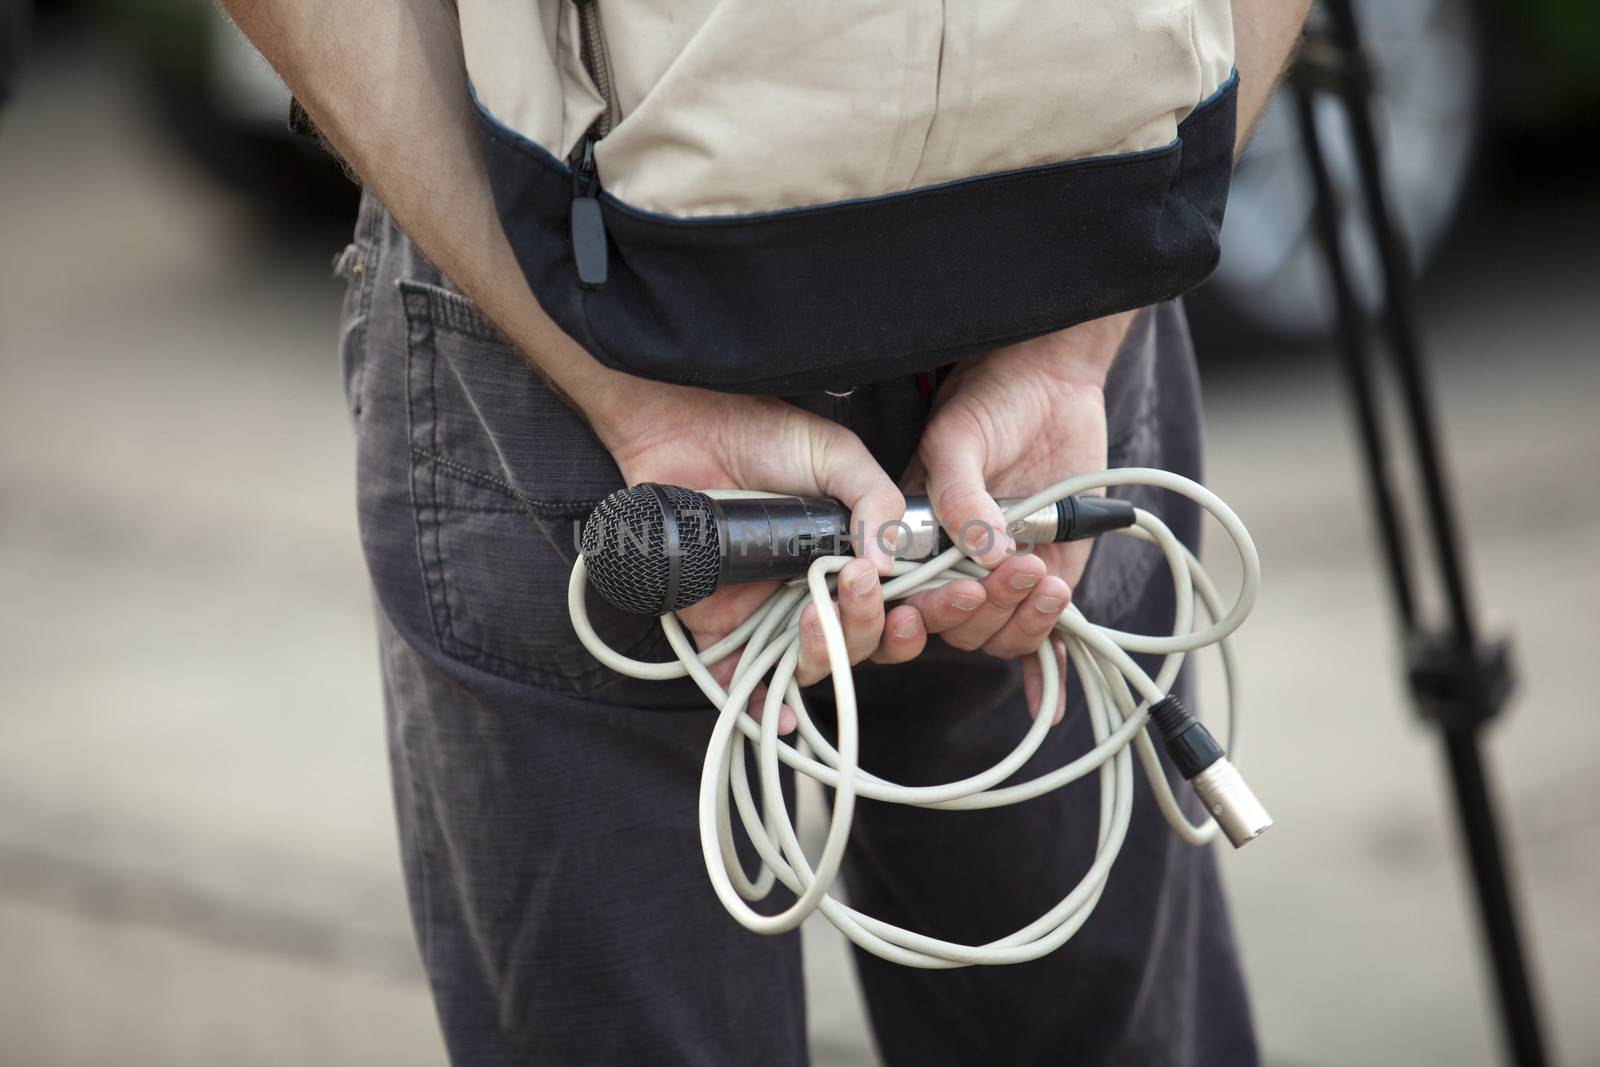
[
  {"x": 860, "y": 608},
  {"x": 758, "y": 706},
  {"x": 1030, "y": 624},
  {"x": 904, "y": 636},
  {"x": 848, "y": 472},
  {"x": 808, "y": 455},
  {"x": 712, "y": 619},
  {"x": 1033, "y": 682},
  {"x": 948, "y": 606},
  {"x": 1006, "y": 587},
  {"x": 813, "y": 664},
  {"x": 723, "y": 670},
  {"x": 716, "y": 616},
  {"x": 967, "y": 512},
  {"x": 1061, "y": 668}
]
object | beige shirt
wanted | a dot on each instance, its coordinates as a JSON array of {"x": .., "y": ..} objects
[{"x": 731, "y": 107}]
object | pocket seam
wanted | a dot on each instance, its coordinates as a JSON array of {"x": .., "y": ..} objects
[
  {"x": 423, "y": 305},
  {"x": 453, "y": 310},
  {"x": 544, "y": 509}
]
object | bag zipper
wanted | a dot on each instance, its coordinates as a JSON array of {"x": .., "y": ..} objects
[{"x": 588, "y": 227}]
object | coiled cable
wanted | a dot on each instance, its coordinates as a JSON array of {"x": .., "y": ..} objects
[{"x": 1119, "y": 696}]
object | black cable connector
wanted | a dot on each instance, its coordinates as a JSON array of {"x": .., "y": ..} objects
[
  {"x": 1205, "y": 766},
  {"x": 1081, "y": 517}
]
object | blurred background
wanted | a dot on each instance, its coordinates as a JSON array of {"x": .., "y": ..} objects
[{"x": 197, "y": 858}]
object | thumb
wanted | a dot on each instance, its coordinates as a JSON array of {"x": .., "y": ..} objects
[
  {"x": 846, "y": 471},
  {"x": 965, "y": 509}
]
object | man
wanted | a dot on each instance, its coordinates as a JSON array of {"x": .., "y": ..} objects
[{"x": 547, "y": 806}]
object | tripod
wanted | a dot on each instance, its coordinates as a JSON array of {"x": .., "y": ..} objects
[{"x": 1459, "y": 679}]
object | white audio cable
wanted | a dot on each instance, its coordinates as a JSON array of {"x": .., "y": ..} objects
[{"x": 1120, "y": 697}]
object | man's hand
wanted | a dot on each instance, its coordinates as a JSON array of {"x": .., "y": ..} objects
[
  {"x": 1007, "y": 425},
  {"x": 702, "y": 440}
]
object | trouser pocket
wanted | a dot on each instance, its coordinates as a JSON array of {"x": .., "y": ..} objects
[{"x": 502, "y": 475}]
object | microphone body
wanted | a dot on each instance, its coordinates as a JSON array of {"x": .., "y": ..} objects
[
  {"x": 763, "y": 538},
  {"x": 651, "y": 549}
]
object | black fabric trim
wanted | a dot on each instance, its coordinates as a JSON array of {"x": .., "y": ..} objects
[{"x": 840, "y": 294}]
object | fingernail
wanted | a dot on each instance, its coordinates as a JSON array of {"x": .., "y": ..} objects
[
  {"x": 907, "y": 627},
  {"x": 863, "y": 583},
  {"x": 1049, "y": 605},
  {"x": 1024, "y": 581},
  {"x": 965, "y": 603}
]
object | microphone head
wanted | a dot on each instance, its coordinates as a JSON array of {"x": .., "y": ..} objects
[{"x": 651, "y": 549}]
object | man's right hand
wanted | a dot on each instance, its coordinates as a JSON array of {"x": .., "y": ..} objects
[{"x": 704, "y": 440}]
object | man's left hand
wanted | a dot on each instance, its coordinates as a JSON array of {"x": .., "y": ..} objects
[{"x": 1007, "y": 425}]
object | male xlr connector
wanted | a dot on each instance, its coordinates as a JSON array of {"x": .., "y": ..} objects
[{"x": 1221, "y": 788}]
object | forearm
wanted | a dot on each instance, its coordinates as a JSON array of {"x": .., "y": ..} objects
[
  {"x": 386, "y": 85},
  {"x": 1265, "y": 33}
]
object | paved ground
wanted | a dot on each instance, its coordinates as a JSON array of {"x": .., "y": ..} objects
[{"x": 196, "y": 856}]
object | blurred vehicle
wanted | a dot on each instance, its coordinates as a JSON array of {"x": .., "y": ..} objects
[
  {"x": 1427, "y": 61},
  {"x": 1451, "y": 77},
  {"x": 14, "y": 18},
  {"x": 1428, "y": 64},
  {"x": 1450, "y": 74}
]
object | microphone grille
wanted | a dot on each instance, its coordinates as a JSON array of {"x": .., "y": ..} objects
[{"x": 626, "y": 550}]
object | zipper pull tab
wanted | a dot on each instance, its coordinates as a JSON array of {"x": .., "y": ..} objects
[{"x": 588, "y": 227}]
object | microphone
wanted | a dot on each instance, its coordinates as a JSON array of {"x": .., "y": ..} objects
[{"x": 651, "y": 549}]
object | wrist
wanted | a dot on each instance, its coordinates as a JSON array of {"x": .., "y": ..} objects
[
  {"x": 603, "y": 396},
  {"x": 628, "y": 414},
  {"x": 633, "y": 416},
  {"x": 1079, "y": 355},
  {"x": 617, "y": 406}
]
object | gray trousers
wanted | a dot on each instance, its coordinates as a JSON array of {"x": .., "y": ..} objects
[{"x": 547, "y": 806}]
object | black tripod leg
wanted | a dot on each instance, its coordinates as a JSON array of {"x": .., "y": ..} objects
[
  {"x": 1400, "y": 325},
  {"x": 1465, "y": 685},
  {"x": 1355, "y": 359},
  {"x": 1481, "y": 832}
]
